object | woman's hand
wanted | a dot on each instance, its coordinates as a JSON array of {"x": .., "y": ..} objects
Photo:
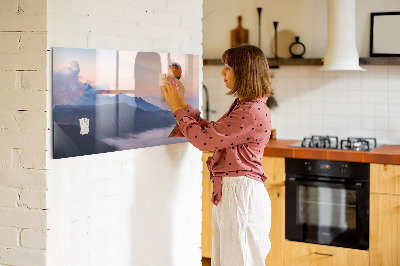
[
  {"x": 171, "y": 94},
  {"x": 181, "y": 90},
  {"x": 181, "y": 93}
]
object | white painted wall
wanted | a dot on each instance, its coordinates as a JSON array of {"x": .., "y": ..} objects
[
  {"x": 311, "y": 102},
  {"x": 135, "y": 207},
  {"x": 305, "y": 18},
  {"x": 23, "y": 133}
]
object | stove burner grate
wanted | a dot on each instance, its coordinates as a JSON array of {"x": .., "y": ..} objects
[
  {"x": 328, "y": 142},
  {"x": 358, "y": 144},
  {"x": 332, "y": 142}
]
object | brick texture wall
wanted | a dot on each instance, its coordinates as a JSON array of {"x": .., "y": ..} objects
[
  {"x": 135, "y": 207},
  {"x": 23, "y": 40}
]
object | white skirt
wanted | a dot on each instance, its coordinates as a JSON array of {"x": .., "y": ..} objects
[{"x": 241, "y": 223}]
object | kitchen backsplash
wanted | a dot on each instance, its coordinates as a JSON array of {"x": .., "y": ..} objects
[{"x": 314, "y": 102}]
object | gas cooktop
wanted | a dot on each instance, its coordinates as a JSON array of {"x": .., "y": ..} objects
[{"x": 332, "y": 142}]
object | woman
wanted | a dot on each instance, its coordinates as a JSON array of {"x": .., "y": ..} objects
[{"x": 242, "y": 208}]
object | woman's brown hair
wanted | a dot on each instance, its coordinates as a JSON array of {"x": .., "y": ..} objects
[{"x": 250, "y": 66}]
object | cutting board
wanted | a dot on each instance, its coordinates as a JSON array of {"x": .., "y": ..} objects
[{"x": 239, "y": 35}]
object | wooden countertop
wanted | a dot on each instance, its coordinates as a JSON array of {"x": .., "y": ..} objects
[{"x": 389, "y": 154}]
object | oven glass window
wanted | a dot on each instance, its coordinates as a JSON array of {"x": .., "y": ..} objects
[{"x": 327, "y": 207}]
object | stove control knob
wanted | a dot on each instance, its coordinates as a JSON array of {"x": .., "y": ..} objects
[
  {"x": 308, "y": 166},
  {"x": 343, "y": 168}
]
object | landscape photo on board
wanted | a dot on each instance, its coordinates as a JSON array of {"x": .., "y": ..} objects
[{"x": 110, "y": 100}]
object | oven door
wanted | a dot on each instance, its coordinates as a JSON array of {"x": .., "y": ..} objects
[{"x": 327, "y": 213}]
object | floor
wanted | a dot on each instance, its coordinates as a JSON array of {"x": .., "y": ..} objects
[{"x": 206, "y": 261}]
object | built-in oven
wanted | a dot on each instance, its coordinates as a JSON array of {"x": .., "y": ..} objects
[{"x": 327, "y": 202}]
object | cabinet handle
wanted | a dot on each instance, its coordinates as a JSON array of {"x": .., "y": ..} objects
[{"x": 325, "y": 254}]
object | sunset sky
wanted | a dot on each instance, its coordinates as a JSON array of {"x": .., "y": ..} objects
[{"x": 74, "y": 66}]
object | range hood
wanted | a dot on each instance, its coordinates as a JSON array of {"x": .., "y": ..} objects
[{"x": 341, "y": 51}]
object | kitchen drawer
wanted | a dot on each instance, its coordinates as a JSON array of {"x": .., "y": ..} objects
[{"x": 305, "y": 254}]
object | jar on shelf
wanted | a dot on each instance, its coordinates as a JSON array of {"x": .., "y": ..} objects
[{"x": 297, "y": 49}]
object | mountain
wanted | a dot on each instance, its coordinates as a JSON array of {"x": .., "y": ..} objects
[
  {"x": 68, "y": 142},
  {"x": 88, "y": 97},
  {"x": 105, "y": 123},
  {"x": 70, "y": 114},
  {"x": 92, "y": 97},
  {"x": 138, "y": 102}
]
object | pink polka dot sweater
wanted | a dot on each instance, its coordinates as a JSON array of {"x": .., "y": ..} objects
[{"x": 238, "y": 139}]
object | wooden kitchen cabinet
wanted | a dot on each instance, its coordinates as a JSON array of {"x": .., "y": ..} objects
[
  {"x": 305, "y": 254},
  {"x": 274, "y": 168},
  {"x": 206, "y": 225},
  {"x": 384, "y": 236},
  {"x": 385, "y": 178},
  {"x": 277, "y": 233}
]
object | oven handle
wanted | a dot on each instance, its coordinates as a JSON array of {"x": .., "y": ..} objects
[{"x": 357, "y": 185}]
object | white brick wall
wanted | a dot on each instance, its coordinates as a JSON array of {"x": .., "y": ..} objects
[
  {"x": 94, "y": 210},
  {"x": 23, "y": 178},
  {"x": 24, "y": 256},
  {"x": 9, "y": 197},
  {"x": 135, "y": 207},
  {"x": 9, "y": 237},
  {"x": 33, "y": 239},
  {"x": 22, "y": 132}
]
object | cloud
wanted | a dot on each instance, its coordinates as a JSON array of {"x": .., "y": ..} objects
[{"x": 67, "y": 88}]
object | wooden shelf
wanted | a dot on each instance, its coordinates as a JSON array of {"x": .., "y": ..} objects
[
  {"x": 380, "y": 61},
  {"x": 274, "y": 63},
  {"x": 212, "y": 62}
]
